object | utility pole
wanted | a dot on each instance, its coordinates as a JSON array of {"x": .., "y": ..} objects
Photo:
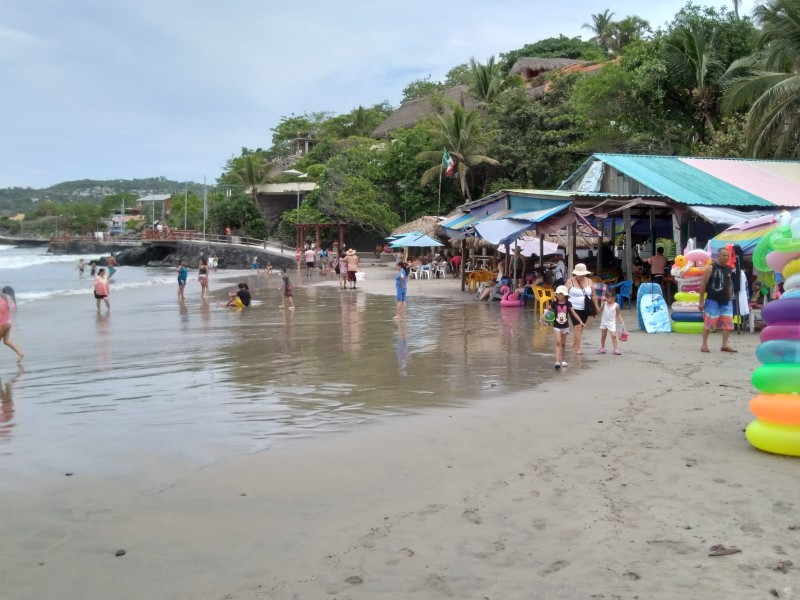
[
  {"x": 185, "y": 204},
  {"x": 205, "y": 206}
]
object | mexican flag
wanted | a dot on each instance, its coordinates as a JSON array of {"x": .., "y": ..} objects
[{"x": 448, "y": 164}]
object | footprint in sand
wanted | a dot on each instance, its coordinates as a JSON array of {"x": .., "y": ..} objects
[
  {"x": 400, "y": 556},
  {"x": 495, "y": 548},
  {"x": 539, "y": 524},
  {"x": 554, "y": 567},
  {"x": 531, "y": 494},
  {"x": 431, "y": 509},
  {"x": 471, "y": 515}
]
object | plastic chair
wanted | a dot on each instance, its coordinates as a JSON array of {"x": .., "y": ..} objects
[
  {"x": 544, "y": 297},
  {"x": 623, "y": 289},
  {"x": 415, "y": 272},
  {"x": 527, "y": 292},
  {"x": 441, "y": 269},
  {"x": 426, "y": 272}
]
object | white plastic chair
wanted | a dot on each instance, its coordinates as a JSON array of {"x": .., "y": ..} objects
[
  {"x": 426, "y": 271},
  {"x": 415, "y": 273},
  {"x": 442, "y": 269}
]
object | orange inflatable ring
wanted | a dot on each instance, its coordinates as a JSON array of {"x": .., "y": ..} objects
[
  {"x": 694, "y": 272},
  {"x": 777, "y": 408}
]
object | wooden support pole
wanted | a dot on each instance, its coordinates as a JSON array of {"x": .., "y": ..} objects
[
  {"x": 572, "y": 231},
  {"x": 628, "y": 263}
]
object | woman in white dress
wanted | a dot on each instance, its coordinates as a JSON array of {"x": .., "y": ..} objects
[{"x": 580, "y": 287}]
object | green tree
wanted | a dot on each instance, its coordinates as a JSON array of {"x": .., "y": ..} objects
[
  {"x": 560, "y": 47},
  {"x": 602, "y": 26},
  {"x": 115, "y": 201},
  {"x": 421, "y": 87},
  {"x": 487, "y": 81},
  {"x": 464, "y": 136},
  {"x": 456, "y": 75},
  {"x": 237, "y": 212},
  {"x": 628, "y": 30},
  {"x": 194, "y": 211},
  {"x": 768, "y": 84},
  {"x": 250, "y": 171}
]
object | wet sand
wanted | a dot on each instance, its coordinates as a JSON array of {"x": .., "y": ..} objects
[{"x": 612, "y": 479}]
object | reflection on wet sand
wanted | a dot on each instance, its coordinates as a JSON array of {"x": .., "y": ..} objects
[
  {"x": 248, "y": 377},
  {"x": 7, "y": 423}
]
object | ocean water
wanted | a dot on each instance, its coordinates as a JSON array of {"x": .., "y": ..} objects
[
  {"x": 36, "y": 275},
  {"x": 195, "y": 382}
]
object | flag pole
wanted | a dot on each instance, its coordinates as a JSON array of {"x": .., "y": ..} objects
[{"x": 441, "y": 168}]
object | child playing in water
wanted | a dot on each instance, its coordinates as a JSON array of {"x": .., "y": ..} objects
[
  {"x": 183, "y": 274},
  {"x": 286, "y": 288},
  {"x": 562, "y": 307},
  {"x": 608, "y": 322},
  {"x": 240, "y": 298},
  {"x": 8, "y": 305}
]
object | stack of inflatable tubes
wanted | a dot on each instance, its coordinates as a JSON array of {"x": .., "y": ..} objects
[
  {"x": 777, "y": 406},
  {"x": 688, "y": 271}
]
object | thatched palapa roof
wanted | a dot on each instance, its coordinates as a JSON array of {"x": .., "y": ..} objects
[
  {"x": 412, "y": 112},
  {"x": 425, "y": 225},
  {"x": 529, "y": 67}
]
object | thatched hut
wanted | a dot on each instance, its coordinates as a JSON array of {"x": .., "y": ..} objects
[
  {"x": 530, "y": 67},
  {"x": 412, "y": 112},
  {"x": 427, "y": 225}
]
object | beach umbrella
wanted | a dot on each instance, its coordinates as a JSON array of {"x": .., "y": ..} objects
[
  {"x": 746, "y": 234},
  {"x": 416, "y": 241},
  {"x": 529, "y": 246}
]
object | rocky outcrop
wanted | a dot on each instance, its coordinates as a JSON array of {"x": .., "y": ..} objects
[{"x": 230, "y": 256}]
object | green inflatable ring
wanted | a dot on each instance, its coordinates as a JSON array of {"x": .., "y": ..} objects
[
  {"x": 787, "y": 244},
  {"x": 777, "y": 379},
  {"x": 687, "y": 297},
  {"x": 687, "y": 326},
  {"x": 767, "y": 245}
]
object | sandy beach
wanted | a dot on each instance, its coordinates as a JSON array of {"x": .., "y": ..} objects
[{"x": 612, "y": 479}]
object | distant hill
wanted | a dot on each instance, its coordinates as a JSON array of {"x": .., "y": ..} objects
[{"x": 17, "y": 199}]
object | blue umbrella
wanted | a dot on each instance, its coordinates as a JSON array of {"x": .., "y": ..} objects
[{"x": 416, "y": 241}]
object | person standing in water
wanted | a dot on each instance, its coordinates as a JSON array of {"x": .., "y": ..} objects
[
  {"x": 183, "y": 275},
  {"x": 401, "y": 286},
  {"x": 8, "y": 307},
  {"x": 286, "y": 289},
  {"x": 202, "y": 277},
  {"x": 81, "y": 267},
  {"x": 111, "y": 263},
  {"x": 101, "y": 290}
]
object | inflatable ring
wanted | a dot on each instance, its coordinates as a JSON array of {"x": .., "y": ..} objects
[
  {"x": 697, "y": 256},
  {"x": 775, "y": 438},
  {"x": 695, "y": 272},
  {"x": 786, "y": 243},
  {"x": 792, "y": 283},
  {"x": 687, "y": 317},
  {"x": 777, "y": 408},
  {"x": 791, "y": 295},
  {"x": 687, "y": 297},
  {"x": 780, "y": 331},
  {"x": 785, "y": 310},
  {"x": 687, "y": 327},
  {"x": 779, "y": 352},
  {"x": 766, "y": 245},
  {"x": 778, "y": 260},
  {"x": 691, "y": 287},
  {"x": 685, "y": 307},
  {"x": 777, "y": 379},
  {"x": 791, "y": 268}
]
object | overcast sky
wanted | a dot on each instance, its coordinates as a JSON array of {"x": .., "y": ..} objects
[{"x": 141, "y": 88}]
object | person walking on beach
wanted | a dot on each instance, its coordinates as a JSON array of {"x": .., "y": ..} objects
[
  {"x": 341, "y": 269},
  {"x": 351, "y": 258},
  {"x": 81, "y": 267},
  {"x": 716, "y": 292},
  {"x": 310, "y": 255},
  {"x": 286, "y": 289},
  {"x": 8, "y": 307},
  {"x": 582, "y": 296},
  {"x": 101, "y": 290},
  {"x": 111, "y": 263},
  {"x": 608, "y": 322},
  {"x": 202, "y": 277},
  {"x": 183, "y": 275},
  {"x": 401, "y": 287},
  {"x": 562, "y": 308}
]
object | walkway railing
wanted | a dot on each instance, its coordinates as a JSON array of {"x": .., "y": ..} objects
[
  {"x": 171, "y": 235},
  {"x": 66, "y": 239}
]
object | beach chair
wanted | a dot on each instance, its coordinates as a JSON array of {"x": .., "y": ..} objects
[
  {"x": 544, "y": 296},
  {"x": 624, "y": 290}
]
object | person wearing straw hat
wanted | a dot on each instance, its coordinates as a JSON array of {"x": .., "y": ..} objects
[
  {"x": 583, "y": 299},
  {"x": 352, "y": 266}
]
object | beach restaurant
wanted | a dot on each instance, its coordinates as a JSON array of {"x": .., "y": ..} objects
[{"x": 617, "y": 197}]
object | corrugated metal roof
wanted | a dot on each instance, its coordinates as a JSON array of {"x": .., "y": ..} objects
[
  {"x": 775, "y": 181},
  {"x": 672, "y": 177}
]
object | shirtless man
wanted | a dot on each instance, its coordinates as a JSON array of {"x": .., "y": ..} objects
[{"x": 111, "y": 263}]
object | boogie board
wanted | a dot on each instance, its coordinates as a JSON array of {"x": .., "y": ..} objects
[
  {"x": 654, "y": 313},
  {"x": 646, "y": 288}
]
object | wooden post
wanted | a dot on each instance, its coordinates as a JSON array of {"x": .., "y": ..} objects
[
  {"x": 541, "y": 251},
  {"x": 626, "y": 217},
  {"x": 341, "y": 236},
  {"x": 572, "y": 230},
  {"x": 319, "y": 240},
  {"x": 463, "y": 264},
  {"x": 600, "y": 223},
  {"x": 653, "y": 231}
]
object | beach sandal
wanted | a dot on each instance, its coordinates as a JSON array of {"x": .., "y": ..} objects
[
  {"x": 602, "y": 350},
  {"x": 704, "y": 350},
  {"x": 617, "y": 352},
  {"x": 727, "y": 349},
  {"x": 720, "y": 550},
  {"x": 564, "y": 365},
  {"x": 557, "y": 365}
]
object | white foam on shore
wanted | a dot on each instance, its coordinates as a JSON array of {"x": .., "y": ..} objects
[{"x": 25, "y": 297}]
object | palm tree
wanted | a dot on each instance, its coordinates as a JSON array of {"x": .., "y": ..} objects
[
  {"x": 252, "y": 171},
  {"x": 736, "y": 5},
  {"x": 488, "y": 81},
  {"x": 463, "y": 134},
  {"x": 630, "y": 29},
  {"x": 769, "y": 83},
  {"x": 693, "y": 60},
  {"x": 603, "y": 28}
]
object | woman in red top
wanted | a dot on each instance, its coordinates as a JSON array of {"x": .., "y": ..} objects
[{"x": 8, "y": 306}]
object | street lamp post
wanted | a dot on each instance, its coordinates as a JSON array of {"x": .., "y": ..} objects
[{"x": 299, "y": 175}]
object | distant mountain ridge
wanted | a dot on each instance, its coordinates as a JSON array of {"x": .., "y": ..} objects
[{"x": 90, "y": 190}]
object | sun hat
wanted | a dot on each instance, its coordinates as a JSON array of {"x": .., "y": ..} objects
[
  {"x": 350, "y": 252},
  {"x": 562, "y": 289},
  {"x": 581, "y": 270}
]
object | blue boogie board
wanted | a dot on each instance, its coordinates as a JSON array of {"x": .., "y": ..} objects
[
  {"x": 654, "y": 313},
  {"x": 646, "y": 288}
]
